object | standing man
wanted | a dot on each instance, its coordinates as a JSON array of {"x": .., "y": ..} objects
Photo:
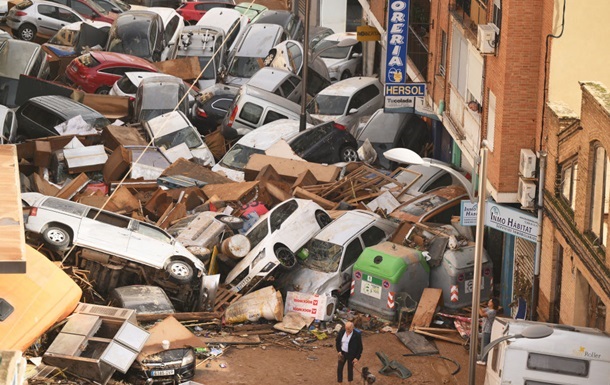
[
  {"x": 349, "y": 348},
  {"x": 489, "y": 315}
]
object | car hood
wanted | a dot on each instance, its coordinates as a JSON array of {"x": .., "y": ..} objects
[
  {"x": 309, "y": 281},
  {"x": 234, "y": 175},
  {"x": 330, "y": 63},
  {"x": 325, "y": 118}
]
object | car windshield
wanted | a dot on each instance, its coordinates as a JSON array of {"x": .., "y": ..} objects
[
  {"x": 238, "y": 156},
  {"x": 132, "y": 42},
  {"x": 186, "y": 135},
  {"x": 65, "y": 37},
  {"x": 122, "y": 5},
  {"x": 328, "y": 105},
  {"x": 244, "y": 67},
  {"x": 324, "y": 51},
  {"x": 423, "y": 205},
  {"x": 383, "y": 127},
  {"x": 97, "y": 7},
  {"x": 258, "y": 233},
  {"x": 321, "y": 256}
]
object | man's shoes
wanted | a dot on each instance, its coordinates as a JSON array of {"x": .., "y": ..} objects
[{"x": 481, "y": 363}]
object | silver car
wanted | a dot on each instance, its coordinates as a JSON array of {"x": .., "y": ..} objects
[
  {"x": 343, "y": 61},
  {"x": 62, "y": 223},
  {"x": 32, "y": 17}
]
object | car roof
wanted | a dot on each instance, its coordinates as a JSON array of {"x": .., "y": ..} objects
[
  {"x": 164, "y": 78},
  {"x": 165, "y": 13},
  {"x": 120, "y": 59},
  {"x": 345, "y": 227},
  {"x": 272, "y": 16},
  {"x": 167, "y": 123},
  {"x": 267, "y": 135},
  {"x": 124, "y": 18},
  {"x": 271, "y": 98},
  {"x": 384, "y": 127},
  {"x": 136, "y": 77},
  {"x": 220, "y": 17},
  {"x": 64, "y": 106},
  {"x": 267, "y": 78},
  {"x": 76, "y": 26},
  {"x": 348, "y": 86}
]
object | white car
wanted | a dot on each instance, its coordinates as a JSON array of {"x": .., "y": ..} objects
[
  {"x": 173, "y": 25},
  {"x": 173, "y": 130},
  {"x": 129, "y": 83},
  {"x": 342, "y": 62},
  {"x": 230, "y": 21},
  {"x": 255, "y": 142},
  {"x": 346, "y": 101},
  {"x": 326, "y": 261},
  {"x": 62, "y": 223},
  {"x": 274, "y": 240},
  {"x": 9, "y": 124}
]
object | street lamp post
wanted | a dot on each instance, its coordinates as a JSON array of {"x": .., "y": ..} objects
[{"x": 404, "y": 155}]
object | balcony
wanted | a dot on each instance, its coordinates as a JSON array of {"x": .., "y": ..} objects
[{"x": 470, "y": 13}]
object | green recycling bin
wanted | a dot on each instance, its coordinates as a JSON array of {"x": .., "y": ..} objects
[{"x": 383, "y": 271}]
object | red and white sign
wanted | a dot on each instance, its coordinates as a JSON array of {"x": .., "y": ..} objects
[
  {"x": 353, "y": 288},
  {"x": 309, "y": 305},
  {"x": 391, "y": 301},
  {"x": 454, "y": 293}
]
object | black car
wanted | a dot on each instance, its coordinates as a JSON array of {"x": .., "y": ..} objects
[
  {"x": 212, "y": 107},
  {"x": 292, "y": 24},
  {"x": 172, "y": 366},
  {"x": 38, "y": 117},
  {"x": 137, "y": 33},
  {"x": 325, "y": 143}
]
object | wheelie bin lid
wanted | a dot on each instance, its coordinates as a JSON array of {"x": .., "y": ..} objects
[{"x": 388, "y": 261}]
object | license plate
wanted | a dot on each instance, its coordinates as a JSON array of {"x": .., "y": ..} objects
[
  {"x": 470, "y": 282},
  {"x": 243, "y": 283},
  {"x": 158, "y": 373},
  {"x": 370, "y": 289}
]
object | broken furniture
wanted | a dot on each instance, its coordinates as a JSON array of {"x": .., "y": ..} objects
[
  {"x": 392, "y": 367},
  {"x": 96, "y": 341}
]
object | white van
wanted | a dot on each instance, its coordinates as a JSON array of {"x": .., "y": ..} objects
[
  {"x": 254, "y": 107},
  {"x": 256, "y": 142},
  {"x": 571, "y": 355}
]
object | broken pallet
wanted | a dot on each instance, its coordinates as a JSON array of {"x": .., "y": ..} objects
[{"x": 225, "y": 297}]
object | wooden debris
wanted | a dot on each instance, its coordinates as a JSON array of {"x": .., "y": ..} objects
[
  {"x": 324, "y": 203},
  {"x": 430, "y": 299},
  {"x": 224, "y": 298},
  {"x": 232, "y": 340},
  {"x": 441, "y": 334},
  {"x": 187, "y": 316}
]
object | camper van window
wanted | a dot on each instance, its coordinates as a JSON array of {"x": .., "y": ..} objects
[
  {"x": 5, "y": 309},
  {"x": 64, "y": 206},
  {"x": 559, "y": 365}
]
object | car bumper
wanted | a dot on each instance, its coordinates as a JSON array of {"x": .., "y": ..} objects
[{"x": 13, "y": 24}]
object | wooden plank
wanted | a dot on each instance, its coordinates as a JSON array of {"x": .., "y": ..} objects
[
  {"x": 455, "y": 340},
  {"x": 75, "y": 185},
  {"x": 12, "y": 239},
  {"x": 192, "y": 316},
  {"x": 232, "y": 340},
  {"x": 416, "y": 343},
  {"x": 430, "y": 299},
  {"x": 290, "y": 169},
  {"x": 302, "y": 193}
]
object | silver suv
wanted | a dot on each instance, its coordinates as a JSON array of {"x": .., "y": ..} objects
[
  {"x": 32, "y": 17},
  {"x": 62, "y": 223}
]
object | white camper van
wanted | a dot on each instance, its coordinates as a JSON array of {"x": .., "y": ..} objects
[{"x": 571, "y": 355}]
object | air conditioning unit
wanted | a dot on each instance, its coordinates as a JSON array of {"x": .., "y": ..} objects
[
  {"x": 526, "y": 193},
  {"x": 487, "y": 35},
  {"x": 527, "y": 163}
]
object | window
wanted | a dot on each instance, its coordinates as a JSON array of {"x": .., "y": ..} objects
[
  {"x": 443, "y": 63},
  {"x": 108, "y": 218},
  {"x": 47, "y": 10},
  {"x": 64, "y": 206},
  {"x": 491, "y": 120},
  {"x": 5, "y": 309},
  {"x": 497, "y": 14},
  {"x": 363, "y": 96},
  {"x": 6, "y": 128},
  {"x": 67, "y": 16},
  {"x": 153, "y": 232},
  {"x": 251, "y": 113},
  {"x": 83, "y": 9},
  {"x": 287, "y": 88},
  {"x": 569, "y": 175},
  {"x": 41, "y": 117},
  {"x": 600, "y": 194},
  {"x": 272, "y": 116},
  {"x": 558, "y": 365},
  {"x": 373, "y": 236},
  {"x": 352, "y": 252},
  {"x": 280, "y": 214},
  {"x": 459, "y": 61},
  {"x": 170, "y": 28}
]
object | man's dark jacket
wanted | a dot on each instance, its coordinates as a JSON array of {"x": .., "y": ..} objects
[{"x": 354, "y": 348}]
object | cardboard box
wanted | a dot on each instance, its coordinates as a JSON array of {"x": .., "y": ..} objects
[
  {"x": 114, "y": 136},
  {"x": 290, "y": 169},
  {"x": 42, "y": 153},
  {"x": 117, "y": 165}
]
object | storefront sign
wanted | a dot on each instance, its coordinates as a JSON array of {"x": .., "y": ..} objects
[
  {"x": 503, "y": 218},
  {"x": 367, "y": 33}
]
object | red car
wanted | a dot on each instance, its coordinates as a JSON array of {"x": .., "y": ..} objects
[
  {"x": 193, "y": 10},
  {"x": 96, "y": 72}
]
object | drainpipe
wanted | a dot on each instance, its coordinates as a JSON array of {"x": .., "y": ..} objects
[{"x": 537, "y": 257}]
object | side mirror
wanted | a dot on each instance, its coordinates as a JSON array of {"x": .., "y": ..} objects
[
  {"x": 352, "y": 111},
  {"x": 356, "y": 55},
  {"x": 115, "y": 10}
]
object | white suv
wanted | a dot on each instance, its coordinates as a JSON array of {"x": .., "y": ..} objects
[{"x": 61, "y": 223}]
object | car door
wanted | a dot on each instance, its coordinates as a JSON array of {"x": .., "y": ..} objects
[
  {"x": 104, "y": 231},
  {"x": 350, "y": 255},
  {"x": 49, "y": 19},
  {"x": 149, "y": 245},
  {"x": 312, "y": 145}
]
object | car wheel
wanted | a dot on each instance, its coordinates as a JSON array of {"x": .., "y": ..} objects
[
  {"x": 56, "y": 238},
  {"x": 346, "y": 74},
  {"x": 285, "y": 256},
  {"x": 180, "y": 271},
  {"x": 27, "y": 32},
  {"x": 348, "y": 154},
  {"x": 322, "y": 218},
  {"x": 234, "y": 223},
  {"x": 103, "y": 90}
]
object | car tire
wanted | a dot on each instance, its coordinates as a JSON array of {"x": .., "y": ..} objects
[
  {"x": 180, "y": 271},
  {"x": 234, "y": 223},
  {"x": 346, "y": 74},
  {"x": 348, "y": 154},
  {"x": 56, "y": 238},
  {"x": 322, "y": 218},
  {"x": 285, "y": 256},
  {"x": 26, "y": 32},
  {"x": 103, "y": 90}
]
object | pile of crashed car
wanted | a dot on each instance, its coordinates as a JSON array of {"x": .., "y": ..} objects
[{"x": 162, "y": 166}]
